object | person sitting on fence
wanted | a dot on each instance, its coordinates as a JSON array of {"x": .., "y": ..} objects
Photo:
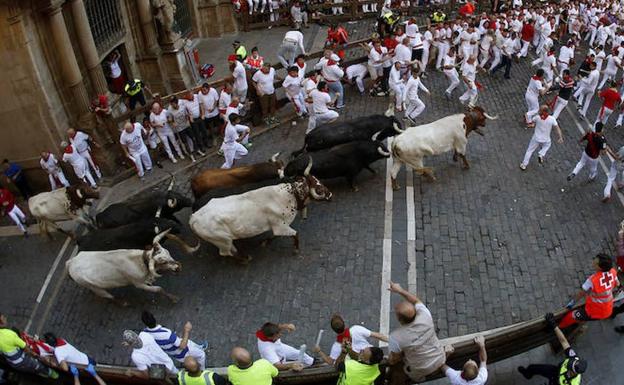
[
  {"x": 471, "y": 373},
  {"x": 282, "y": 356}
]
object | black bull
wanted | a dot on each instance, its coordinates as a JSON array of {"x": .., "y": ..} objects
[
  {"x": 373, "y": 127},
  {"x": 345, "y": 160},
  {"x": 144, "y": 207}
]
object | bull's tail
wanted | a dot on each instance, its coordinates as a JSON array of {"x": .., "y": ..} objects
[{"x": 295, "y": 154}]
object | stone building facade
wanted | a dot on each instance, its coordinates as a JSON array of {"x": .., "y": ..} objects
[{"x": 54, "y": 63}]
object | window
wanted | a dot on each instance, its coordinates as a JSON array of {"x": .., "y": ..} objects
[
  {"x": 182, "y": 18},
  {"x": 106, "y": 23}
]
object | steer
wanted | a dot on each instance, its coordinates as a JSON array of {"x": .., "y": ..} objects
[
  {"x": 271, "y": 208},
  {"x": 163, "y": 204},
  {"x": 227, "y": 191},
  {"x": 373, "y": 127},
  {"x": 62, "y": 205},
  {"x": 237, "y": 176},
  {"x": 446, "y": 134},
  {"x": 138, "y": 235},
  {"x": 102, "y": 270},
  {"x": 345, "y": 160}
]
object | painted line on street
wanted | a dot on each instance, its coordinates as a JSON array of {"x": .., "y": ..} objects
[
  {"x": 411, "y": 230},
  {"x": 386, "y": 267},
  {"x": 600, "y": 159}
]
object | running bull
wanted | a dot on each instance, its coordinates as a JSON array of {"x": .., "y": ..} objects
[
  {"x": 227, "y": 191},
  {"x": 157, "y": 204},
  {"x": 137, "y": 235},
  {"x": 345, "y": 160},
  {"x": 374, "y": 127},
  {"x": 271, "y": 208},
  {"x": 62, "y": 205},
  {"x": 442, "y": 135},
  {"x": 237, "y": 176},
  {"x": 99, "y": 271}
]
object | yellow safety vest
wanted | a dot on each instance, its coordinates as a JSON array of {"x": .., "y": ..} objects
[
  {"x": 562, "y": 375},
  {"x": 241, "y": 52},
  {"x": 357, "y": 373},
  {"x": 205, "y": 378},
  {"x": 438, "y": 17},
  {"x": 131, "y": 91}
]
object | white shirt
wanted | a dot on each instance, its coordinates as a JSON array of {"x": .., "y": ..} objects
[
  {"x": 535, "y": 87},
  {"x": 292, "y": 85},
  {"x": 356, "y": 70},
  {"x": 75, "y": 159},
  {"x": 395, "y": 76},
  {"x": 449, "y": 61},
  {"x": 270, "y": 351},
  {"x": 332, "y": 73},
  {"x": 179, "y": 116},
  {"x": 599, "y": 58},
  {"x": 469, "y": 71},
  {"x": 548, "y": 63},
  {"x": 224, "y": 100},
  {"x": 70, "y": 354},
  {"x": 309, "y": 85},
  {"x": 133, "y": 140},
  {"x": 374, "y": 57},
  {"x": 402, "y": 54},
  {"x": 295, "y": 37},
  {"x": 613, "y": 63},
  {"x": 301, "y": 70},
  {"x": 232, "y": 133},
  {"x": 265, "y": 81},
  {"x": 455, "y": 377},
  {"x": 565, "y": 54},
  {"x": 412, "y": 87},
  {"x": 115, "y": 69},
  {"x": 591, "y": 81},
  {"x": 359, "y": 341},
  {"x": 150, "y": 353},
  {"x": 240, "y": 76},
  {"x": 50, "y": 165},
  {"x": 80, "y": 141},
  {"x": 320, "y": 100},
  {"x": 159, "y": 121},
  {"x": 209, "y": 102},
  {"x": 543, "y": 128},
  {"x": 192, "y": 106}
]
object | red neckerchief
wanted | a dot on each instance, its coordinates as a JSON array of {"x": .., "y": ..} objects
[
  {"x": 300, "y": 66},
  {"x": 73, "y": 135},
  {"x": 260, "y": 335},
  {"x": 345, "y": 335},
  {"x": 60, "y": 342},
  {"x": 535, "y": 77},
  {"x": 232, "y": 104},
  {"x": 551, "y": 53},
  {"x": 544, "y": 115},
  {"x": 69, "y": 149},
  {"x": 379, "y": 50},
  {"x": 47, "y": 157},
  {"x": 330, "y": 62}
]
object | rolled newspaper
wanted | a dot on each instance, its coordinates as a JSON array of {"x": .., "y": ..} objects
[{"x": 318, "y": 338}]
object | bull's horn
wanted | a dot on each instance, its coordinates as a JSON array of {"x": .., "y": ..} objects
[
  {"x": 171, "y": 202},
  {"x": 396, "y": 128},
  {"x": 185, "y": 246},
  {"x": 158, "y": 212},
  {"x": 274, "y": 157},
  {"x": 171, "y": 183},
  {"x": 490, "y": 116},
  {"x": 471, "y": 106},
  {"x": 382, "y": 151},
  {"x": 375, "y": 135},
  {"x": 160, "y": 236},
  {"x": 390, "y": 111},
  {"x": 306, "y": 172}
]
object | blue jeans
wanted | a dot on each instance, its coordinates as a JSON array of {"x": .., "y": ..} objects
[{"x": 336, "y": 87}]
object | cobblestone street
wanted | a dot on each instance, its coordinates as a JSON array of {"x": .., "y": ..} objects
[{"x": 493, "y": 245}]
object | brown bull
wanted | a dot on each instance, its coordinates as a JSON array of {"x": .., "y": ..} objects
[{"x": 237, "y": 176}]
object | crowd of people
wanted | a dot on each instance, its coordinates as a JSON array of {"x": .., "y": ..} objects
[{"x": 398, "y": 61}]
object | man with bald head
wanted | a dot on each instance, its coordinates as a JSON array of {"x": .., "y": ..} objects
[
  {"x": 415, "y": 350},
  {"x": 134, "y": 147},
  {"x": 471, "y": 373},
  {"x": 244, "y": 371},
  {"x": 192, "y": 374}
]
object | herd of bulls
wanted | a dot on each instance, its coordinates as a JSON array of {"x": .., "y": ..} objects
[{"x": 124, "y": 245}]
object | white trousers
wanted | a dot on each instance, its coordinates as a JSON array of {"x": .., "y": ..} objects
[
  {"x": 485, "y": 56},
  {"x": 167, "y": 137},
  {"x": 425, "y": 59},
  {"x": 584, "y": 98},
  {"x": 231, "y": 152},
  {"x": 605, "y": 77},
  {"x": 616, "y": 174},
  {"x": 442, "y": 50},
  {"x": 603, "y": 115},
  {"x": 299, "y": 103},
  {"x": 398, "y": 90},
  {"x": 562, "y": 66},
  {"x": 524, "y": 51},
  {"x": 586, "y": 160},
  {"x": 414, "y": 108},
  {"x": 533, "y": 145},
  {"x": 453, "y": 78},
  {"x": 497, "y": 58},
  {"x": 290, "y": 354},
  {"x": 324, "y": 117},
  {"x": 83, "y": 173},
  {"x": 195, "y": 351},
  {"x": 61, "y": 178},
  {"x": 560, "y": 104},
  {"x": 18, "y": 217},
  {"x": 470, "y": 95},
  {"x": 619, "y": 119},
  {"x": 87, "y": 155},
  {"x": 142, "y": 162},
  {"x": 532, "y": 102}
]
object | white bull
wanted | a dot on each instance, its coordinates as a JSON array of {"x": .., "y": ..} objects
[
  {"x": 102, "y": 270},
  {"x": 446, "y": 134},
  {"x": 271, "y": 208},
  {"x": 62, "y": 205}
]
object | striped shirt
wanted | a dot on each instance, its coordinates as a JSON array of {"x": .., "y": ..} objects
[{"x": 168, "y": 341}]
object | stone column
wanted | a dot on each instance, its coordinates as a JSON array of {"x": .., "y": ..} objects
[
  {"x": 144, "y": 9},
  {"x": 87, "y": 47},
  {"x": 67, "y": 58}
]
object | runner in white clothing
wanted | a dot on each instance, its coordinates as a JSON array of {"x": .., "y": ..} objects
[
  {"x": 272, "y": 349},
  {"x": 355, "y": 73},
  {"x": 395, "y": 81},
  {"x": 543, "y": 123},
  {"x": 145, "y": 353},
  {"x": 159, "y": 121},
  {"x": 49, "y": 163},
  {"x": 134, "y": 147},
  {"x": 450, "y": 72},
  {"x": 294, "y": 91},
  {"x": 321, "y": 100},
  {"x": 535, "y": 89},
  {"x": 82, "y": 142},
  {"x": 78, "y": 163},
  {"x": 413, "y": 105},
  {"x": 234, "y": 134},
  {"x": 469, "y": 75}
]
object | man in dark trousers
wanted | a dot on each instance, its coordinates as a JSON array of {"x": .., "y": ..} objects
[
  {"x": 569, "y": 371},
  {"x": 596, "y": 145}
]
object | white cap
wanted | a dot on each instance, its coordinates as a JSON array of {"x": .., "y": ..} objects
[{"x": 335, "y": 57}]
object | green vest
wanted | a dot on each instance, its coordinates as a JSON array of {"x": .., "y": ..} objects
[
  {"x": 134, "y": 90},
  {"x": 241, "y": 52},
  {"x": 438, "y": 17},
  {"x": 205, "y": 378},
  {"x": 562, "y": 377},
  {"x": 357, "y": 373}
]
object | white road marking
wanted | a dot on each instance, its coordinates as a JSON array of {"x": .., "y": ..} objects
[
  {"x": 386, "y": 267},
  {"x": 600, "y": 159},
  {"x": 411, "y": 230}
]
